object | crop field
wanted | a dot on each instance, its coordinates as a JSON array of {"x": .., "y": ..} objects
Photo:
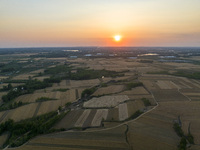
[
  {"x": 82, "y": 118},
  {"x": 3, "y": 138},
  {"x": 105, "y": 101},
  {"x": 22, "y": 77},
  {"x": 84, "y": 83},
  {"x": 166, "y": 84},
  {"x": 48, "y": 106},
  {"x": 109, "y": 90},
  {"x": 106, "y": 140},
  {"x": 28, "y": 98},
  {"x": 168, "y": 95},
  {"x": 20, "y": 113},
  {"x": 104, "y": 120},
  {"x": 123, "y": 111},
  {"x": 94, "y": 117},
  {"x": 133, "y": 106},
  {"x": 68, "y": 96},
  {"x": 137, "y": 93},
  {"x": 155, "y": 130},
  {"x": 41, "y": 78},
  {"x": 3, "y": 77},
  {"x": 69, "y": 120},
  {"x": 189, "y": 113},
  {"x": 100, "y": 115},
  {"x": 37, "y": 71}
]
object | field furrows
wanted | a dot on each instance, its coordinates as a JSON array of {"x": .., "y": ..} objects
[
  {"x": 123, "y": 112},
  {"x": 69, "y": 120},
  {"x": 168, "y": 95},
  {"x": 82, "y": 118},
  {"x": 109, "y": 90},
  {"x": 88, "y": 121},
  {"x": 100, "y": 115},
  {"x": 37, "y": 109},
  {"x": 20, "y": 113},
  {"x": 105, "y": 101},
  {"x": 3, "y": 115},
  {"x": 113, "y": 114}
]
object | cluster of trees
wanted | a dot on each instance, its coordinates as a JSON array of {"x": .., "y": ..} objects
[
  {"x": 192, "y": 75},
  {"x": 42, "y": 99},
  {"x": 29, "y": 87},
  {"x": 12, "y": 106},
  {"x": 146, "y": 102},
  {"x": 61, "y": 72},
  {"x": 61, "y": 89},
  {"x": 184, "y": 138},
  {"x": 85, "y": 74},
  {"x": 88, "y": 92},
  {"x": 133, "y": 85},
  {"x": 6, "y": 88},
  {"x": 136, "y": 114},
  {"x": 21, "y": 132}
]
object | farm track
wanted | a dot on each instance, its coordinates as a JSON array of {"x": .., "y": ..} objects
[
  {"x": 77, "y": 96},
  {"x": 4, "y": 115},
  {"x": 37, "y": 109},
  {"x": 76, "y": 146}
]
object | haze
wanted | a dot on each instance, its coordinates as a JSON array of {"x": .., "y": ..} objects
[{"x": 38, "y": 23}]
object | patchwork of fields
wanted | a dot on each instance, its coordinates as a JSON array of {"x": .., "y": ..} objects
[{"x": 103, "y": 120}]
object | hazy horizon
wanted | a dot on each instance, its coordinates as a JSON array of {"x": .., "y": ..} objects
[{"x": 48, "y": 23}]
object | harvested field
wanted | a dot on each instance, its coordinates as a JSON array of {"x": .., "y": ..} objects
[
  {"x": 188, "y": 111},
  {"x": 168, "y": 95},
  {"x": 28, "y": 98},
  {"x": 104, "y": 140},
  {"x": 22, "y": 77},
  {"x": 105, "y": 101},
  {"x": 82, "y": 118},
  {"x": 138, "y": 91},
  {"x": 69, "y": 120},
  {"x": 68, "y": 96},
  {"x": 166, "y": 84},
  {"x": 3, "y": 77},
  {"x": 123, "y": 112},
  {"x": 88, "y": 121},
  {"x": 3, "y": 138},
  {"x": 3, "y": 114},
  {"x": 133, "y": 106},
  {"x": 41, "y": 78},
  {"x": 113, "y": 114},
  {"x": 99, "y": 116},
  {"x": 84, "y": 83},
  {"x": 153, "y": 131},
  {"x": 20, "y": 113},
  {"x": 109, "y": 90},
  {"x": 48, "y": 106},
  {"x": 37, "y": 71}
]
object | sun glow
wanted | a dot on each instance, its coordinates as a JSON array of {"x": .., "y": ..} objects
[{"x": 117, "y": 38}]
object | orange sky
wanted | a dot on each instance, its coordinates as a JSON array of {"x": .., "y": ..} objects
[{"x": 94, "y": 23}]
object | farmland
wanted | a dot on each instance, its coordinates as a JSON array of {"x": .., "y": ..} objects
[{"x": 108, "y": 101}]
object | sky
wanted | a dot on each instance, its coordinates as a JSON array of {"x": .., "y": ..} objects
[{"x": 60, "y": 23}]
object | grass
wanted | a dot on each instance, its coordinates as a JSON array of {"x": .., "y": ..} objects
[
  {"x": 42, "y": 99},
  {"x": 60, "y": 90}
]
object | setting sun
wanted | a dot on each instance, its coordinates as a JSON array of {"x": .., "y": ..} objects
[{"x": 117, "y": 38}]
